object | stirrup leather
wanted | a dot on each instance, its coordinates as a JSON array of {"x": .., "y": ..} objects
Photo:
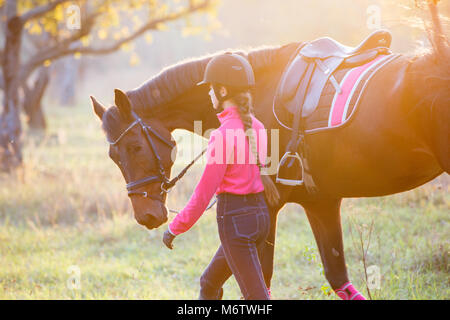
[{"x": 290, "y": 182}]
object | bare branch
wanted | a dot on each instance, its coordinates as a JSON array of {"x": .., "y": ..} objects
[
  {"x": 40, "y": 11},
  {"x": 66, "y": 47},
  {"x": 151, "y": 25},
  {"x": 53, "y": 52}
]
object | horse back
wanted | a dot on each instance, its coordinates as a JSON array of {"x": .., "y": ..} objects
[{"x": 377, "y": 151}]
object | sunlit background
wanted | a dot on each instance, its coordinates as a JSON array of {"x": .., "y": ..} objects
[{"x": 66, "y": 225}]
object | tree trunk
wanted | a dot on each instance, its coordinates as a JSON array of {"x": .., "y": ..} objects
[
  {"x": 67, "y": 78},
  {"x": 10, "y": 127},
  {"x": 32, "y": 100}
]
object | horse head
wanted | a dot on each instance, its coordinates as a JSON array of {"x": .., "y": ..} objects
[{"x": 144, "y": 152}]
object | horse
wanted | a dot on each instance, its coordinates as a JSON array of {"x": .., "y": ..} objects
[{"x": 397, "y": 141}]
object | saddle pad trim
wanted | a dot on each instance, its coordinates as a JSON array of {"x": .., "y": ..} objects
[
  {"x": 348, "y": 86},
  {"x": 333, "y": 118},
  {"x": 375, "y": 67}
]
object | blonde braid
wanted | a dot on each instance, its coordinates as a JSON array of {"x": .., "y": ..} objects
[{"x": 245, "y": 107}]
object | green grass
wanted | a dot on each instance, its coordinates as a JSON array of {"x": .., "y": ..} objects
[{"x": 68, "y": 207}]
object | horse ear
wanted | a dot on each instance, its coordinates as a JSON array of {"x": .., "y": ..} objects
[
  {"x": 99, "y": 110},
  {"x": 122, "y": 102}
]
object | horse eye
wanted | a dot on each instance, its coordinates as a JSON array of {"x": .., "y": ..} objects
[{"x": 135, "y": 148}]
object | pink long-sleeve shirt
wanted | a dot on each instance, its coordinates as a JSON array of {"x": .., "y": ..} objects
[{"x": 230, "y": 167}]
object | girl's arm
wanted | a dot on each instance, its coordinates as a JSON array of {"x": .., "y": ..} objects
[{"x": 209, "y": 182}]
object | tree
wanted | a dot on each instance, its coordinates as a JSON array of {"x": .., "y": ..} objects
[{"x": 60, "y": 28}]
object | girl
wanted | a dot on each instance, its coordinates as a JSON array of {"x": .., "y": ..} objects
[{"x": 233, "y": 173}]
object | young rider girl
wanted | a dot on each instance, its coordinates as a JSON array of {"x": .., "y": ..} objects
[{"x": 233, "y": 173}]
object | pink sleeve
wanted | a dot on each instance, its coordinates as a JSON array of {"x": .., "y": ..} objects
[{"x": 209, "y": 182}]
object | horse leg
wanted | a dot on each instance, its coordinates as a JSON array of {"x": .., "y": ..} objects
[{"x": 325, "y": 220}]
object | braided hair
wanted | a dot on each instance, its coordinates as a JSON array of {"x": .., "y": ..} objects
[
  {"x": 244, "y": 102},
  {"x": 245, "y": 108}
]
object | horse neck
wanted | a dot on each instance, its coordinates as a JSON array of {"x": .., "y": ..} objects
[
  {"x": 195, "y": 118},
  {"x": 195, "y": 105}
]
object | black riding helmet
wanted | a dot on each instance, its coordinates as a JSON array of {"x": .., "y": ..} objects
[{"x": 230, "y": 70}]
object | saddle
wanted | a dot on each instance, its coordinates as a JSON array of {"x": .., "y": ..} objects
[{"x": 311, "y": 67}]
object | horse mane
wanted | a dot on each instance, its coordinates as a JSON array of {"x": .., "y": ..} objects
[
  {"x": 430, "y": 76},
  {"x": 181, "y": 77},
  {"x": 431, "y": 67}
]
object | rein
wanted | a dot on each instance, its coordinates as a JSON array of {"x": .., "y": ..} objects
[{"x": 166, "y": 184}]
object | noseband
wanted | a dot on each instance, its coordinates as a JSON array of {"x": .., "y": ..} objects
[{"x": 166, "y": 184}]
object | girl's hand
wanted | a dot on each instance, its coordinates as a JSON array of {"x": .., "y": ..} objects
[{"x": 168, "y": 239}]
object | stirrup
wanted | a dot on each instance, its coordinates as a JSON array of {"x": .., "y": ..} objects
[{"x": 290, "y": 182}]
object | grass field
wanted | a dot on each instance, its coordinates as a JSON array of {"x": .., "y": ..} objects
[{"x": 66, "y": 216}]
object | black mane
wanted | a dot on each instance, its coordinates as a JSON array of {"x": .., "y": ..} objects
[{"x": 177, "y": 79}]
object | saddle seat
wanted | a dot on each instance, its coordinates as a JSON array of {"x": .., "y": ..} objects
[
  {"x": 314, "y": 63},
  {"x": 301, "y": 85},
  {"x": 326, "y": 47}
]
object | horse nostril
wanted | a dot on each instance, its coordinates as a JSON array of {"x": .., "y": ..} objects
[
  {"x": 146, "y": 220},
  {"x": 150, "y": 221}
]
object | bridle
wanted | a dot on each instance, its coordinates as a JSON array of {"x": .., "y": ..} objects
[{"x": 166, "y": 184}]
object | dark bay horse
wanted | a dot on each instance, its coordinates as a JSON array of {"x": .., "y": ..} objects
[{"x": 398, "y": 140}]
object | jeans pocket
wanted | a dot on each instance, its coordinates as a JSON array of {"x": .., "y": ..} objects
[{"x": 246, "y": 225}]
